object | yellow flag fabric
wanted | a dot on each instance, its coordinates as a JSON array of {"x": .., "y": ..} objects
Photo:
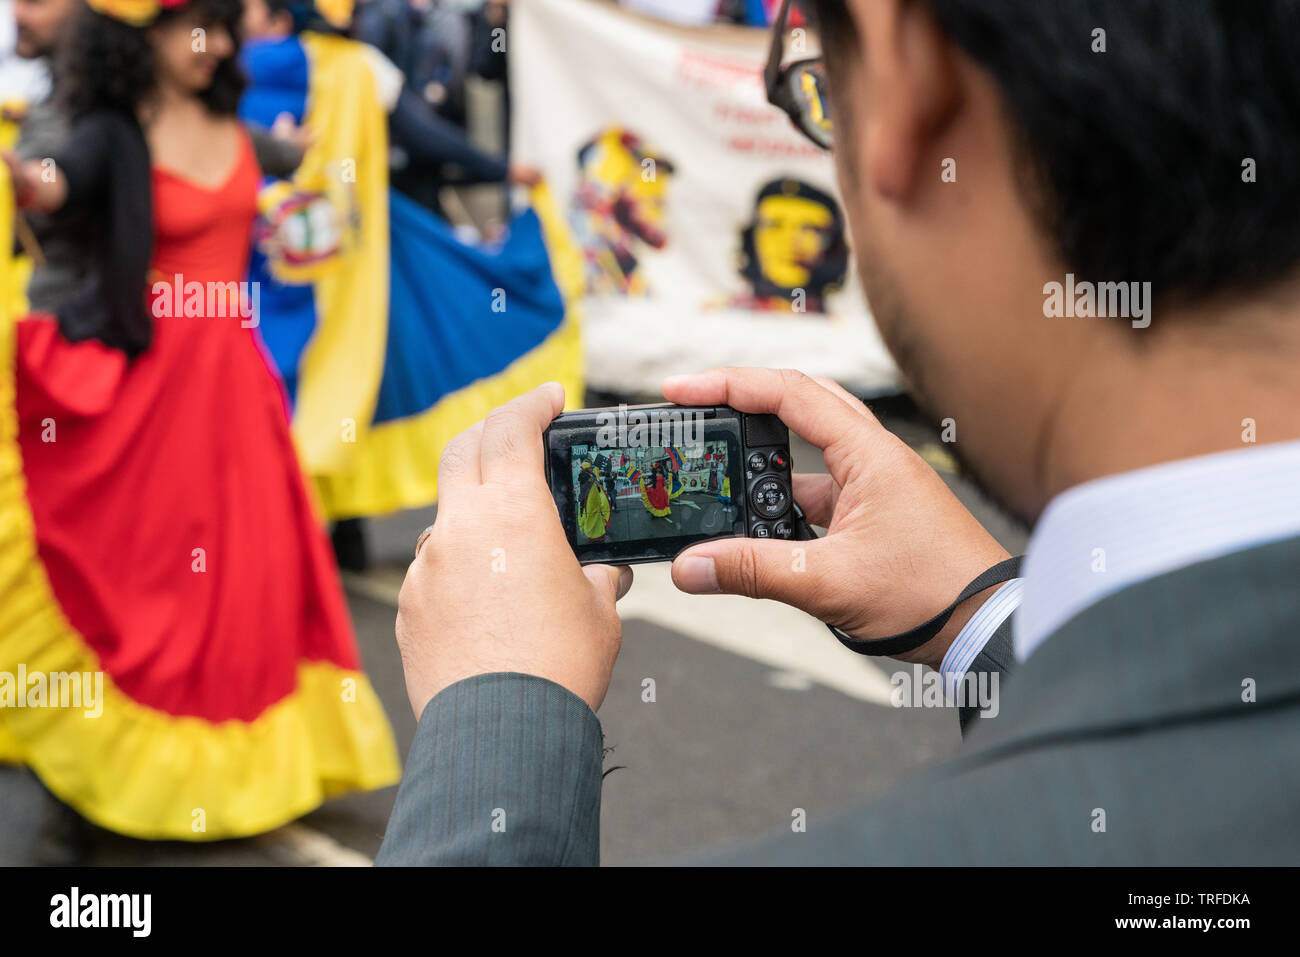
[
  {"x": 396, "y": 462},
  {"x": 390, "y": 344},
  {"x": 341, "y": 366}
]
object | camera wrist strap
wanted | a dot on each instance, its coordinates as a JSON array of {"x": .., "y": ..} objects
[{"x": 907, "y": 641}]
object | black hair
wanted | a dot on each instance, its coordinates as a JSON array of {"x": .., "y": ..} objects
[
  {"x": 1136, "y": 159},
  {"x": 108, "y": 65},
  {"x": 305, "y": 16}
]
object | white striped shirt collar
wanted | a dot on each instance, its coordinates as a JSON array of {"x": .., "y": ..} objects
[{"x": 1105, "y": 535}]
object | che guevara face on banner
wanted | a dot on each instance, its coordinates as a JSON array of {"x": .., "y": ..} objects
[{"x": 793, "y": 251}]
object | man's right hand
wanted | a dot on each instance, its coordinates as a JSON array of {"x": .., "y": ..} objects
[{"x": 900, "y": 546}]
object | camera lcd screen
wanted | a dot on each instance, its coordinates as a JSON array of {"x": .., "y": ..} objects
[
  {"x": 648, "y": 502},
  {"x": 624, "y": 495}
]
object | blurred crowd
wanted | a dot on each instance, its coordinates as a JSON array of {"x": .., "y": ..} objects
[{"x": 424, "y": 53}]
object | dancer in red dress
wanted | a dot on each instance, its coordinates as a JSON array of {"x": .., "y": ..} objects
[
  {"x": 164, "y": 537},
  {"x": 654, "y": 492}
]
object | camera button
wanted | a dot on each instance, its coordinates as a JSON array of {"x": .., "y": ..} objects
[
  {"x": 757, "y": 461},
  {"x": 779, "y": 461},
  {"x": 783, "y": 530},
  {"x": 761, "y": 531},
  {"x": 770, "y": 497}
]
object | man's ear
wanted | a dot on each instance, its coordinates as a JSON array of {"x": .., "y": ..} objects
[{"x": 910, "y": 90}]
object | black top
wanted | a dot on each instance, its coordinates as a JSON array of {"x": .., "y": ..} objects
[{"x": 106, "y": 167}]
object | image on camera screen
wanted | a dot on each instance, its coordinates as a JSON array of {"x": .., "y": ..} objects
[{"x": 630, "y": 494}]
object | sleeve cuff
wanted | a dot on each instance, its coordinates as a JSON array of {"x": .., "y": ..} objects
[
  {"x": 970, "y": 641},
  {"x": 505, "y": 768}
]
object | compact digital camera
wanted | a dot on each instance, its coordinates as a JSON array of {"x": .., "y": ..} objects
[{"x": 640, "y": 483}]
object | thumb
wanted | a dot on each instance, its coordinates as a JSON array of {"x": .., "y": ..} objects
[
  {"x": 610, "y": 582},
  {"x": 746, "y": 566}
]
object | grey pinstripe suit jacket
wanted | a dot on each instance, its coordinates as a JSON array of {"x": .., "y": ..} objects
[{"x": 1129, "y": 737}]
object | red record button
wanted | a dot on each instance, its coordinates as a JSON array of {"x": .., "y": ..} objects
[{"x": 778, "y": 461}]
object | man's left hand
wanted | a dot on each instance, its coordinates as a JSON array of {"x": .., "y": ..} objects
[{"x": 495, "y": 586}]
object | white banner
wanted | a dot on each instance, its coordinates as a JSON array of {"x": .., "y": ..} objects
[{"x": 712, "y": 230}]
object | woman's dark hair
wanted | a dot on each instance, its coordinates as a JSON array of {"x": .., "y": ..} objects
[{"x": 109, "y": 65}]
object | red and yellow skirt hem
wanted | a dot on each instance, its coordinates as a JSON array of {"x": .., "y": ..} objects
[{"x": 146, "y": 773}]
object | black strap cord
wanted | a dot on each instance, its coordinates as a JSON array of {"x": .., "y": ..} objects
[{"x": 900, "y": 644}]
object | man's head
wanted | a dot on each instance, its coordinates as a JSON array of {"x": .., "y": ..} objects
[
  {"x": 39, "y": 24},
  {"x": 267, "y": 19},
  {"x": 989, "y": 148},
  {"x": 277, "y": 19}
]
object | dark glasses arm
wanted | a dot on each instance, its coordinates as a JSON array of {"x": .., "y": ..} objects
[{"x": 772, "y": 71}]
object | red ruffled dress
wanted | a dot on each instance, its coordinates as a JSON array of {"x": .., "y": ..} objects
[
  {"x": 654, "y": 495},
  {"x": 155, "y": 529}
]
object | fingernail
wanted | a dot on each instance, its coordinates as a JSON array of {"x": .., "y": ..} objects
[
  {"x": 698, "y": 575},
  {"x": 424, "y": 535},
  {"x": 624, "y": 581},
  {"x": 672, "y": 380}
]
